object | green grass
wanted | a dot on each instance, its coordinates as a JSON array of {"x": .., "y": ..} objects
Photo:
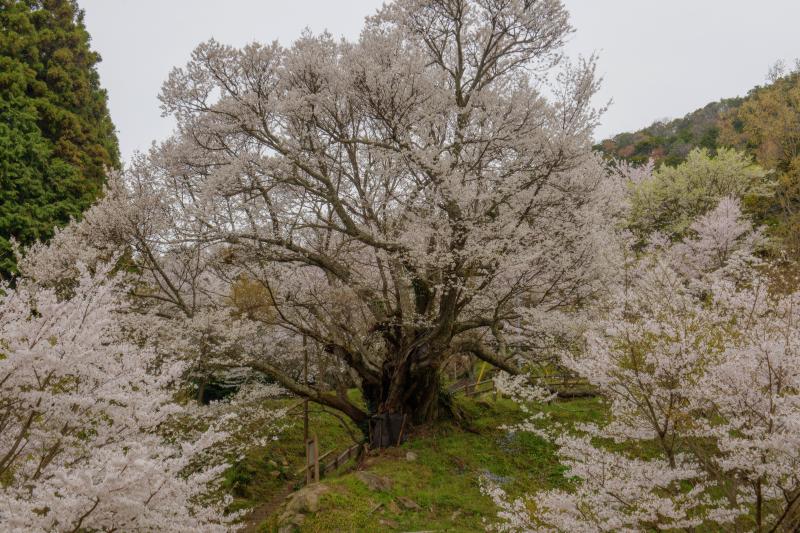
[
  {"x": 265, "y": 471},
  {"x": 444, "y": 480}
]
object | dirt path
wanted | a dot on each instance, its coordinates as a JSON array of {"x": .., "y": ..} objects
[{"x": 261, "y": 512}]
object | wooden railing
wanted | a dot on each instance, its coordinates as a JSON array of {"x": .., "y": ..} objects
[
  {"x": 555, "y": 383},
  {"x": 337, "y": 461},
  {"x": 473, "y": 389}
]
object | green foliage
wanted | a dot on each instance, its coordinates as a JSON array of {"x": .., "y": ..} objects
[
  {"x": 670, "y": 142},
  {"x": 675, "y": 195},
  {"x": 767, "y": 125},
  {"x": 56, "y": 135}
]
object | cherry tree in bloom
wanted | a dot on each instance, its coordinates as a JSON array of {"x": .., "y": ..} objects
[
  {"x": 83, "y": 402},
  {"x": 396, "y": 199},
  {"x": 721, "y": 240},
  {"x": 701, "y": 365},
  {"x": 179, "y": 306}
]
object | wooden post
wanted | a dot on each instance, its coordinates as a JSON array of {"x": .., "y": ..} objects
[
  {"x": 312, "y": 463},
  {"x": 402, "y": 427},
  {"x": 305, "y": 410},
  {"x": 480, "y": 377},
  {"x": 316, "y": 459}
]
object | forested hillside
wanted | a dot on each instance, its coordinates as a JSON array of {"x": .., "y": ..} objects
[
  {"x": 56, "y": 135},
  {"x": 671, "y": 141},
  {"x": 764, "y": 126}
]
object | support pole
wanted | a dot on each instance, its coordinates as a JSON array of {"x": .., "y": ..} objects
[
  {"x": 316, "y": 459},
  {"x": 305, "y": 411}
]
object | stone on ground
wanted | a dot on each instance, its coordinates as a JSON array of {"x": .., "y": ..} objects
[
  {"x": 374, "y": 481},
  {"x": 305, "y": 500}
]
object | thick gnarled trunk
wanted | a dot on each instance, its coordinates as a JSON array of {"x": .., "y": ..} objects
[
  {"x": 410, "y": 393},
  {"x": 414, "y": 392}
]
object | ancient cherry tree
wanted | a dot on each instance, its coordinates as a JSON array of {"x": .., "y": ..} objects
[{"x": 396, "y": 199}]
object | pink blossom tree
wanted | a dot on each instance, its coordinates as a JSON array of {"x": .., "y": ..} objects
[
  {"x": 699, "y": 362},
  {"x": 84, "y": 406},
  {"x": 397, "y": 200}
]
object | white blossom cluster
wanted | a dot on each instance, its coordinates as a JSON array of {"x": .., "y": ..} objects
[
  {"x": 82, "y": 405},
  {"x": 700, "y": 363}
]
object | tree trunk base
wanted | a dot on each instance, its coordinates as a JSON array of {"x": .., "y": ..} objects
[
  {"x": 387, "y": 430},
  {"x": 390, "y": 429}
]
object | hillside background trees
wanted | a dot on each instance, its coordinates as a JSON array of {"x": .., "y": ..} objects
[
  {"x": 764, "y": 126},
  {"x": 56, "y": 136},
  {"x": 767, "y": 125}
]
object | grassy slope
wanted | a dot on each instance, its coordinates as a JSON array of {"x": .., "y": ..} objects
[
  {"x": 444, "y": 479},
  {"x": 265, "y": 472}
]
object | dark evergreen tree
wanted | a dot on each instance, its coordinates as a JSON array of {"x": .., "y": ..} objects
[{"x": 56, "y": 136}]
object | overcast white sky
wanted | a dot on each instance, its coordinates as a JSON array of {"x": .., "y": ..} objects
[{"x": 659, "y": 58}]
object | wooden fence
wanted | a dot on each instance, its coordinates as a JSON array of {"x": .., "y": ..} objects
[
  {"x": 474, "y": 389},
  {"x": 562, "y": 384},
  {"x": 337, "y": 461}
]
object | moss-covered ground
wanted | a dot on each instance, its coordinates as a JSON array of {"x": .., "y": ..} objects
[{"x": 448, "y": 461}]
